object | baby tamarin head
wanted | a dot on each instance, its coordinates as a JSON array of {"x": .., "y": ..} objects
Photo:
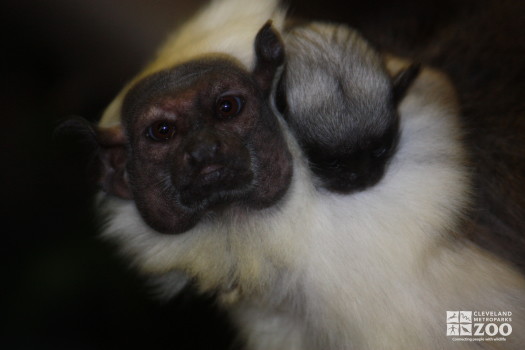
[{"x": 342, "y": 105}]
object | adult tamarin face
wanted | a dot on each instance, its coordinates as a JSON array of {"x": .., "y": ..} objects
[{"x": 201, "y": 136}]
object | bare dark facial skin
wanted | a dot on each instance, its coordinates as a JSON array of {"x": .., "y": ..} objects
[{"x": 201, "y": 137}]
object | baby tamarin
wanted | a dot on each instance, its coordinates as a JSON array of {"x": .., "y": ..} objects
[{"x": 341, "y": 104}]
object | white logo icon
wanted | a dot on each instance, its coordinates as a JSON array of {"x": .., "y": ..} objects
[
  {"x": 452, "y": 329},
  {"x": 452, "y": 316},
  {"x": 459, "y": 323},
  {"x": 465, "y": 317},
  {"x": 465, "y": 329}
]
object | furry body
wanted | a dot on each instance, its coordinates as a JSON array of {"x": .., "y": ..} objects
[{"x": 372, "y": 270}]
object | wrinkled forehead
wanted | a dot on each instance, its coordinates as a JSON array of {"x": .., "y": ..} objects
[{"x": 206, "y": 75}]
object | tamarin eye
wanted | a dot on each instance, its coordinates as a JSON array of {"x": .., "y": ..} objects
[
  {"x": 161, "y": 131},
  {"x": 229, "y": 106}
]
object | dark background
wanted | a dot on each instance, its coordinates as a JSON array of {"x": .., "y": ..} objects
[{"x": 63, "y": 287}]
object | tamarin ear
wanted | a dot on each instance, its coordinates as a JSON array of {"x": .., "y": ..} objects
[
  {"x": 109, "y": 144},
  {"x": 114, "y": 157},
  {"x": 269, "y": 55},
  {"x": 403, "y": 80}
]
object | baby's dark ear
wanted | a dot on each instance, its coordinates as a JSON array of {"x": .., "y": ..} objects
[
  {"x": 109, "y": 144},
  {"x": 269, "y": 55},
  {"x": 403, "y": 80}
]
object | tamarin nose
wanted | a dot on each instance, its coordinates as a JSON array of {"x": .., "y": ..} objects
[{"x": 202, "y": 150}]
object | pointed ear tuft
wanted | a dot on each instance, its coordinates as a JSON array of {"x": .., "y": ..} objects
[
  {"x": 268, "y": 45},
  {"x": 269, "y": 54},
  {"x": 403, "y": 80}
]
